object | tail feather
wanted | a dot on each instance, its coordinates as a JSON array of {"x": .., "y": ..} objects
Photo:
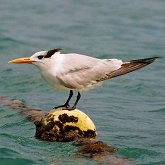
[{"x": 131, "y": 66}]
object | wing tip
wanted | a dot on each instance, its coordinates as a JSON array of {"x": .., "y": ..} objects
[{"x": 145, "y": 60}]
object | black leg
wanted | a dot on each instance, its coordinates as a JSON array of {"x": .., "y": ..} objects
[
  {"x": 66, "y": 105},
  {"x": 77, "y": 100},
  {"x": 70, "y": 96}
]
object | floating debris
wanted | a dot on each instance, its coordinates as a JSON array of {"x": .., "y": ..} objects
[{"x": 64, "y": 125}]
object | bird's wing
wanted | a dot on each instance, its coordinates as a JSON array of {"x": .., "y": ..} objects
[
  {"x": 130, "y": 66},
  {"x": 81, "y": 72}
]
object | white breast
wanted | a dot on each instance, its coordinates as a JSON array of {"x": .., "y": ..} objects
[
  {"x": 52, "y": 80},
  {"x": 51, "y": 73}
]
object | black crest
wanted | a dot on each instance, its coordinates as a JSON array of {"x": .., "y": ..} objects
[{"x": 51, "y": 52}]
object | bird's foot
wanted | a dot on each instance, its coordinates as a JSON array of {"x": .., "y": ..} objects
[
  {"x": 69, "y": 108},
  {"x": 65, "y": 107}
]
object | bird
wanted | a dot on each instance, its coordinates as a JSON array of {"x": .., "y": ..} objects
[{"x": 78, "y": 72}]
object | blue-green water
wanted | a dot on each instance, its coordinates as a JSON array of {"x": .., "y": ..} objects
[{"x": 129, "y": 111}]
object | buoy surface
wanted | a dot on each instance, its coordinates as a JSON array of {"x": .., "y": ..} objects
[{"x": 65, "y": 125}]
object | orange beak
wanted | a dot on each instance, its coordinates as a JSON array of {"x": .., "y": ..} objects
[{"x": 25, "y": 60}]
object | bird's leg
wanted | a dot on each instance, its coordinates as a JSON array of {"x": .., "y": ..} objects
[
  {"x": 77, "y": 100},
  {"x": 75, "y": 104},
  {"x": 70, "y": 96},
  {"x": 66, "y": 105}
]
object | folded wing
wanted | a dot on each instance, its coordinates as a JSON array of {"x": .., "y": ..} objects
[{"x": 83, "y": 73}]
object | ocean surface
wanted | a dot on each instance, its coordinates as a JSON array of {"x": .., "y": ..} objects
[{"x": 128, "y": 111}]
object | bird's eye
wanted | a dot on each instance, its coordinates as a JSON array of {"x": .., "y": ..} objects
[{"x": 40, "y": 57}]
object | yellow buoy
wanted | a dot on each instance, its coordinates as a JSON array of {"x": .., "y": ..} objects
[{"x": 65, "y": 125}]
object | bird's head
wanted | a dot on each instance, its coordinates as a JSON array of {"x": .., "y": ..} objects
[{"x": 41, "y": 59}]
